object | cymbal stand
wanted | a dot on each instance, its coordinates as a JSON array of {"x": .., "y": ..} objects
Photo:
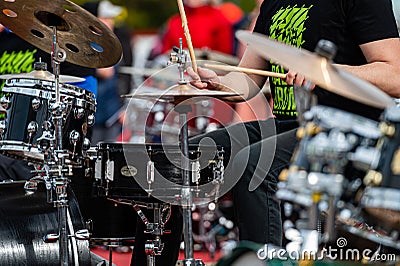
[
  {"x": 186, "y": 196},
  {"x": 54, "y": 167}
]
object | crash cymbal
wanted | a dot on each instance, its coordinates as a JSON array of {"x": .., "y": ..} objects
[
  {"x": 42, "y": 75},
  {"x": 87, "y": 41},
  {"x": 179, "y": 93},
  {"x": 207, "y": 54},
  {"x": 317, "y": 69}
]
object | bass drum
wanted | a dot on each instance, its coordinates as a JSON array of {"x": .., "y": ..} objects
[{"x": 26, "y": 219}]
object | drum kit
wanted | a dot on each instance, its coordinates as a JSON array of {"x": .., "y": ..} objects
[{"x": 47, "y": 123}]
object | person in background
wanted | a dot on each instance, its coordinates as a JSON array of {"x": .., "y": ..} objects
[
  {"x": 209, "y": 28},
  {"x": 111, "y": 84}
]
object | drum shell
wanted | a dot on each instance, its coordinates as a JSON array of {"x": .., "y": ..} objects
[
  {"x": 130, "y": 169},
  {"x": 107, "y": 220},
  {"x": 29, "y": 102},
  {"x": 26, "y": 219}
]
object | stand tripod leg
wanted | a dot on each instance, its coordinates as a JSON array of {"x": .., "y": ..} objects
[
  {"x": 63, "y": 234},
  {"x": 110, "y": 255}
]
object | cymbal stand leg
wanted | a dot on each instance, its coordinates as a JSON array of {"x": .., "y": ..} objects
[{"x": 62, "y": 205}]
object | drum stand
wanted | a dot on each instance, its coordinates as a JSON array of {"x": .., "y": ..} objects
[
  {"x": 161, "y": 215},
  {"x": 54, "y": 167}
]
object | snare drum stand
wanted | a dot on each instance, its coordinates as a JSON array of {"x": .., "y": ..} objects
[{"x": 161, "y": 215}]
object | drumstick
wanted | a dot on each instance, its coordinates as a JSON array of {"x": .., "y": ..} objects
[
  {"x": 187, "y": 34},
  {"x": 246, "y": 70}
]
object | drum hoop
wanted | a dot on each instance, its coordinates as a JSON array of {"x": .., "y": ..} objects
[
  {"x": 28, "y": 151},
  {"x": 46, "y": 86}
]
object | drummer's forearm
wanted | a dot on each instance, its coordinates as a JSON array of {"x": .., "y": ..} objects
[
  {"x": 248, "y": 85},
  {"x": 240, "y": 83},
  {"x": 381, "y": 74},
  {"x": 383, "y": 67}
]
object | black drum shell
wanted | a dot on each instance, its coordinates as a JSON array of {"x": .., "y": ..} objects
[
  {"x": 26, "y": 219},
  {"x": 130, "y": 169}
]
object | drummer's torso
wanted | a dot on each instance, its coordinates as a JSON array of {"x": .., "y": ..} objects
[
  {"x": 18, "y": 56},
  {"x": 302, "y": 23}
]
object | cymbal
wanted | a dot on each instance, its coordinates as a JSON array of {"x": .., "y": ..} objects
[
  {"x": 179, "y": 93},
  {"x": 42, "y": 75},
  {"x": 86, "y": 40},
  {"x": 212, "y": 55},
  {"x": 317, "y": 69}
]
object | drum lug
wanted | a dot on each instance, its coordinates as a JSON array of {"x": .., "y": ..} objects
[
  {"x": 82, "y": 234},
  {"x": 3, "y": 127},
  {"x": 30, "y": 186},
  {"x": 32, "y": 129},
  {"x": 79, "y": 113},
  {"x": 50, "y": 238},
  {"x": 195, "y": 172},
  {"x": 74, "y": 138},
  {"x": 110, "y": 170},
  {"x": 36, "y": 104},
  {"x": 90, "y": 120},
  {"x": 150, "y": 175},
  {"x": 5, "y": 102},
  {"x": 86, "y": 144}
]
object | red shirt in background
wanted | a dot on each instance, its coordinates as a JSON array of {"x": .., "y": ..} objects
[{"x": 208, "y": 28}]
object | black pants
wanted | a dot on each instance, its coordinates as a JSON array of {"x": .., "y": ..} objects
[
  {"x": 255, "y": 154},
  {"x": 259, "y": 151}
]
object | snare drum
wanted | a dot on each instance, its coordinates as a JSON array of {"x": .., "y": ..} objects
[
  {"x": 27, "y": 102},
  {"x": 146, "y": 172}
]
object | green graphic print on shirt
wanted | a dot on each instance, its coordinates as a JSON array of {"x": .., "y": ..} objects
[
  {"x": 16, "y": 62},
  {"x": 288, "y": 27}
]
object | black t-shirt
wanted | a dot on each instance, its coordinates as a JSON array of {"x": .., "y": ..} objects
[
  {"x": 18, "y": 56},
  {"x": 347, "y": 23}
]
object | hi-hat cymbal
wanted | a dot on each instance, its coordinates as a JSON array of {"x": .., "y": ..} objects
[
  {"x": 179, "y": 93},
  {"x": 317, "y": 69},
  {"x": 87, "y": 41},
  {"x": 42, "y": 75}
]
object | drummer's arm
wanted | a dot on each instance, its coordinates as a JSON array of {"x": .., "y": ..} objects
[
  {"x": 383, "y": 68},
  {"x": 246, "y": 85}
]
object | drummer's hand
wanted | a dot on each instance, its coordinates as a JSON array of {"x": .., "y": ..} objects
[
  {"x": 204, "y": 79},
  {"x": 296, "y": 79}
]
